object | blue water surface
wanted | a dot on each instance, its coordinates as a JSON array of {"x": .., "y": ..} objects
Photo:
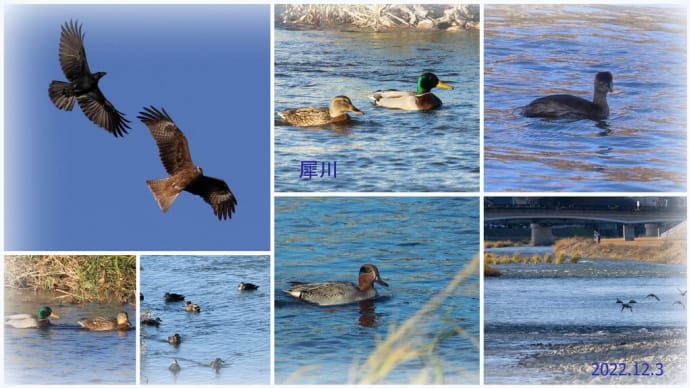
[
  {"x": 48, "y": 355},
  {"x": 382, "y": 150},
  {"x": 531, "y": 305},
  {"x": 232, "y": 325},
  {"x": 536, "y": 50},
  {"x": 418, "y": 245}
]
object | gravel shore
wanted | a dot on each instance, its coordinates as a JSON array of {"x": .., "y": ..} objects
[{"x": 572, "y": 363}]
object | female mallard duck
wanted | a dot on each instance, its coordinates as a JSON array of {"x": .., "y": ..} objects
[
  {"x": 192, "y": 308},
  {"x": 247, "y": 287},
  {"x": 315, "y": 116},
  {"x": 121, "y": 322},
  {"x": 175, "y": 339},
  {"x": 422, "y": 99},
  {"x": 26, "y": 321}
]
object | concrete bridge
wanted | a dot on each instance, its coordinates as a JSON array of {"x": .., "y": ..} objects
[{"x": 541, "y": 220}]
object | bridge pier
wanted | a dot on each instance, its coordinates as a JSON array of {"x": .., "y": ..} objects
[
  {"x": 628, "y": 232},
  {"x": 541, "y": 234},
  {"x": 652, "y": 230}
]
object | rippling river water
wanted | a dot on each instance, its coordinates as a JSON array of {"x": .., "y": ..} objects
[
  {"x": 536, "y": 50},
  {"x": 418, "y": 245},
  {"x": 383, "y": 150},
  {"x": 546, "y": 323}
]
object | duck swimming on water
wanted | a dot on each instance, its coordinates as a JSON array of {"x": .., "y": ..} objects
[
  {"x": 121, "y": 322},
  {"x": 247, "y": 287},
  {"x": 312, "y": 116},
  {"x": 336, "y": 293},
  {"x": 28, "y": 321},
  {"x": 562, "y": 106},
  {"x": 421, "y": 99}
]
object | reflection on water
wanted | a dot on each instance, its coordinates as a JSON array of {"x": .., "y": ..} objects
[
  {"x": 418, "y": 245},
  {"x": 537, "y": 50},
  {"x": 47, "y": 356},
  {"x": 382, "y": 150}
]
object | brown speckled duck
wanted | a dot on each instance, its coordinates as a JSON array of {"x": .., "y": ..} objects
[
  {"x": 121, "y": 322},
  {"x": 192, "y": 308},
  {"x": 316, "y": 116}
]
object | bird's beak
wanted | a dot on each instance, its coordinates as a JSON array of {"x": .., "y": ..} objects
[
  {"x": 54, "y": 315},
  {"x": 444, "y": 85},
  {"x": 355, "y": 110}
]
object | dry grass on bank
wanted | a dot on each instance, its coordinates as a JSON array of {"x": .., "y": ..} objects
[
  {"x": 402, "y": 344},
  {"x": 652, "y": 249},
  {"x": 79, "y": 279}
]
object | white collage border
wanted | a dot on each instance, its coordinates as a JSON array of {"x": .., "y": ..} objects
[{"x": 481, "y": 194}]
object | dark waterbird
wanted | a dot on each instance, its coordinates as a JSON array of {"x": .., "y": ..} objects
[
  {"x": 247, "y": 287},
  {"x": 626, "y": 305},
  {"x": 173, "y": 297},
  {"x": 653, "y": 296},
  {"x": 82, "y": 85},
  {"x": 562, "y": 106},
  {"x": 175, "y": 339},
  {"x": 683, "y": 293},
  {"x": 184, "y": 175}
]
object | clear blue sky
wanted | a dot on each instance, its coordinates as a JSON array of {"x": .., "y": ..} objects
[{"x": 70, "y": 185}]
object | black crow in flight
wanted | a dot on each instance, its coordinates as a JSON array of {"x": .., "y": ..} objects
[{"x": 83, "y": 84}]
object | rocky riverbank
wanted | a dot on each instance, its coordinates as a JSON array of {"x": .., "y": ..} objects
[{"x": 380, "y": 17}]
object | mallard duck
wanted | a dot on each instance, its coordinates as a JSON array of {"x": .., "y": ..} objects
[
  {"x": 422, "y": 99},
  {"x": 172, "y": 297},
  {"x": 192, "y": 308},
  {"x": 312, "y": 116},
  {"x": 174, "y": 367},
  {"x": 247, "y": 287},
  {"x": 216, "y": 364},
  {"x": 26, "y": 321},
  {"x": 121, "y": 322},
  {"x": 175, "y": 339}
]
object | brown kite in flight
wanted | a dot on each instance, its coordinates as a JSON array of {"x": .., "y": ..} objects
[
  {"x": 83, "y": 85},
  {"x": 184, "y": 175}
]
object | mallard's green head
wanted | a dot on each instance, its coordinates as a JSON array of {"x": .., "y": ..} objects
[
  {"x": 46, "y": 312},
  {"x": 428, "y": 81}
]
